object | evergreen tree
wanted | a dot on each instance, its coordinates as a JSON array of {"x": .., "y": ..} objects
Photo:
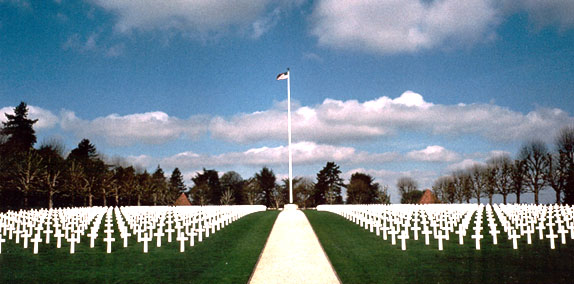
[
  {"x": 207, "y": 188},
  {"x": 328, "y": 186},
  {"x": 161, "y": 193},
  {"x": 233, "y": 182},
  {"x": 362, "y": 189},
  {"x": 266, "y": 183},
  {"x": 84, "y": 152},
  {"x": 176, "y": 184},
  {"x": 18, "y": 130}
]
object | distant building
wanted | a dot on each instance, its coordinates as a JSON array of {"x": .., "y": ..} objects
[
  {"x": 428, "y": 197},
  {"x": 182, "y": 201}
]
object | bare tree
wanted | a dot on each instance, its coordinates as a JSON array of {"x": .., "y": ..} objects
[
  {"x": 501, "y": 167},
  {"x": 408, "y": 189},
  {"x": 227, "y": 197},
  {"x": 478, "y": 177},
  {"x": 27, "y": 173},
  {"x": 557, "y": 175},
  {"x": 565, "y": 147},
  {"x": 444, "y": 189},
  {"x": 535, "y": 157},
  {"x": 517, "y": 178}
]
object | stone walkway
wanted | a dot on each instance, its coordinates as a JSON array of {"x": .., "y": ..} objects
[{"x": 293, "y": 254}]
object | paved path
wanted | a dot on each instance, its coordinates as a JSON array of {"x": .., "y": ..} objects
[{"x": 293, "y": 254}]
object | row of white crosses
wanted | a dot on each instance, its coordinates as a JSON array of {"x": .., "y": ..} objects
[
  {"x": 438, "y": 221},
  {"x": 143, "y": 222}
]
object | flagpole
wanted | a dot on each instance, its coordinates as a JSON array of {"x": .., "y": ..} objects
[{"x": 289, "y": 131}]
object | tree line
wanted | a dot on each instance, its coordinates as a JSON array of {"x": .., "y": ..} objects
[
  {"x": 48, "y": 177},
  {"x": 535, "y": 168}
]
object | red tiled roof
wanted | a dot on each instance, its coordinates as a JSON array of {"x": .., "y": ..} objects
[
  {"x": 182, "y": 201},
  {"x": 428, "y": 197}
]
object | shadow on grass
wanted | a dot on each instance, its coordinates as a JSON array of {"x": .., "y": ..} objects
[
  {"x": 359, "y": 256},
  {"x": 228, "y": 256}
]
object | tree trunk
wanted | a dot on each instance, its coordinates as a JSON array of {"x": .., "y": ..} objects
[
  {"x": 490, "y": 199},
  {"x": 50, "y": 198},
  {"x": 518, "y": 197},
  {"x": 504, "y": 199},
  {"x": 536, "y": 196},
  {"x": 558, "y": 201},
  {"x": 104, "y": 196},
  {"x": 90, "y": 198}
]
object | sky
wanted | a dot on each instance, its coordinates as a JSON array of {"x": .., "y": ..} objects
[{"x": 390, "y": 88}]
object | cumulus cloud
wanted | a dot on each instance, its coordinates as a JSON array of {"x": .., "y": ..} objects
[
  {"x": 336, "y": 121},
  {"x": 46, "y": 119},
  {"x": 304, "y": 153},
  {"x": 545, "y": 13},
  {"x": 200, "y": 16},
  {"x": 463, "y": 165},
  {"x": 392, "y": 26},
  {"x": 149, "y": 128},
  {"x": 433, "y": 154}
]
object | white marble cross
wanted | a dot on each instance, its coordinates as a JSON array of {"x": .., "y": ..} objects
[
  {"x": 58, "y": 235},
  {"x": 158, "y": 236},
  {"x": 562, "y": 231},
  {"x": 494, "y": 233},
  {"x": 181, "y": 238},
  {"x": 403, "y": 237},
  {"x": 416, "y": 228},
  {"x": 1, "y": 241},
  {"x": 477, "y": 236},
  {"x": 426, "y": 232},
  {"x": 37, "y": 239},
  {"x": 108, "y": 240},
  {"x": 146, "y": 239},
  {"x": 440, "y": 237},
  {"x": 552, "y": 237},
  {"x": 512, "y": 235},
  {"x": 47, "y": 232},
  {"x": 75, "y": 238}
]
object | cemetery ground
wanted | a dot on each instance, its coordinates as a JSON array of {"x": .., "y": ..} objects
[
  {"x": 360, "y": 256},
  {"x": 228, "y": 256}
]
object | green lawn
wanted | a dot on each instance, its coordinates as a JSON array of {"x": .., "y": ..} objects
[
  {"x": 228, "y": 256},
  {"x": 359, "y": 256}
]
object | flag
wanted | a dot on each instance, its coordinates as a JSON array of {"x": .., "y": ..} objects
[{"x": 283, "y": 76}]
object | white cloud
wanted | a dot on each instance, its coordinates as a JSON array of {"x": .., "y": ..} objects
[
  {"x": 46, "y": 119},
  {"x": 433, "y": 154},
  {"x": 304, "y": 153},
  {"x": 336, "y": 121},
  {"x": 149, "y": 128},
  {"x": 394, "y": 26},
  {"x": 463, "y": 165},
  {"x": 545, "y": 13},
  {"x": 199, "y": 16}
]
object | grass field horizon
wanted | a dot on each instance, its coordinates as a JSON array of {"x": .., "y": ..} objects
[
  {"x": 359, "y": 256},
  {"x": 228, "y": 256}
]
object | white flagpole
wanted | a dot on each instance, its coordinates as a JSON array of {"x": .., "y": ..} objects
[{"x": 289, "y": 130}]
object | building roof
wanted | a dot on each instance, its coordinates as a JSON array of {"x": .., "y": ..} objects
[
  {"x": 428, "y": 197},
  {"x": 182, "y": 201}
]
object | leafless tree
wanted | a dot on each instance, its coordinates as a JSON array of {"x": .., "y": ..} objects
[{"x": 535, "y": 157}]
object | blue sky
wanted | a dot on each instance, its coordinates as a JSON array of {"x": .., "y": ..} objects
[{"x": 391, "y": 88}]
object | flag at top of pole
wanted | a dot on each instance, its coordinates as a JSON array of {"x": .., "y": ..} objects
[{"x": 284, "y": 76}]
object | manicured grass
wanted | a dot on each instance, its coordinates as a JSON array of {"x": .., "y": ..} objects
[
  {"x": 228, "y": 256},
  {"x": 359, "y": 256}
]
